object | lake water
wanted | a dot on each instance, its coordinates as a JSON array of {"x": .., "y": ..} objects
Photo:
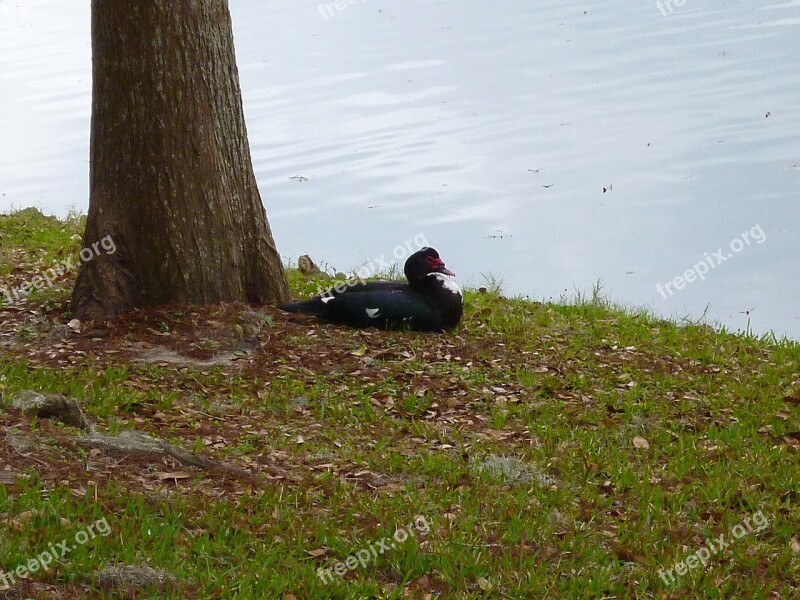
[{"x": 491, "y": 130}]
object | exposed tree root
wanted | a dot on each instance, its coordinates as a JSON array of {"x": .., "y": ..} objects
[
  {"x": 136, "y": 442},
  {"x": 68, "y": 411}
]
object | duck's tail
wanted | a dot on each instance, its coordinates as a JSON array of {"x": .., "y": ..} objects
[{"x": 315, "y": 306}]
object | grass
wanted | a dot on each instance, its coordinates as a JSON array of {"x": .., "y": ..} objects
[{"x": 554, "y": 451}]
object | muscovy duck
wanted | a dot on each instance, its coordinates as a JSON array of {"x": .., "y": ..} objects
[{"x": 430, "y": 301}]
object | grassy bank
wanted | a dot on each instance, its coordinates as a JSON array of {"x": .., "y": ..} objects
[{"x": 540, "y": 451}]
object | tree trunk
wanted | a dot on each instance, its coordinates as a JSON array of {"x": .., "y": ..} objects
[{"x": 171, "y": 178}]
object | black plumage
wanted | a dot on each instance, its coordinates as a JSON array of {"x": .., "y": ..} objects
[{"x": 430, "y": 301}]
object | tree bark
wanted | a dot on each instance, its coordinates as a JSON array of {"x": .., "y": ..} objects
[{"x": 171, "y": 177}]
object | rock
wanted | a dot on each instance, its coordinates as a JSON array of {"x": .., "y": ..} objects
[
  {"x": 306, "y": 266},
  {"x": 46, "y": 406}
]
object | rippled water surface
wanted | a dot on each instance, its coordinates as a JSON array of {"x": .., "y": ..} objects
[{"x": 493, "y": 130}]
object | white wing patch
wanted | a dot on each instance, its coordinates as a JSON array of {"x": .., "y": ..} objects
[
  {"x": 447, "y": 283},
  {"x": 326, "y": 299},
  {"x": 372, "y": 313}
]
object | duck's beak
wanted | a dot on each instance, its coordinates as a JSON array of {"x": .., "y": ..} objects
[{"x": 446, "y": 271}]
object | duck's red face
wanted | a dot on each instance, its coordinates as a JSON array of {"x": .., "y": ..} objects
[{"x": 436, "y": 265}]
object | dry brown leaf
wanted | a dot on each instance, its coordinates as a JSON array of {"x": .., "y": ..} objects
[
  {"x": 156, "y": 332},
  {"x": 625, "y": 555},
  {"x": 318, "y": 552},
  {"x": 795, "y": 545},
  {"x": 640, "y": 442},
  {"x": 21, "y": 518}
]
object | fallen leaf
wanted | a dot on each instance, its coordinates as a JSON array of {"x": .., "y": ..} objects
[
  {"x": 21, "y": 518},
  {"x": 156, "y": 332},
  {"x": 484, "y": 584},
  {"x": 795, "y": 545},
  {"x": 640, "y": 442},
  {"x": 625, "y": 555},
  {"x": 318, "y": 552}
]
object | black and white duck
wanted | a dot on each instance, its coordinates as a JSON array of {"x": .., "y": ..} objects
[{"x": 430, "y": 301}]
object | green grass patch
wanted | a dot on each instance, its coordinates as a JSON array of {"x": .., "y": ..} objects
[{"x": 571, "y": 450}]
